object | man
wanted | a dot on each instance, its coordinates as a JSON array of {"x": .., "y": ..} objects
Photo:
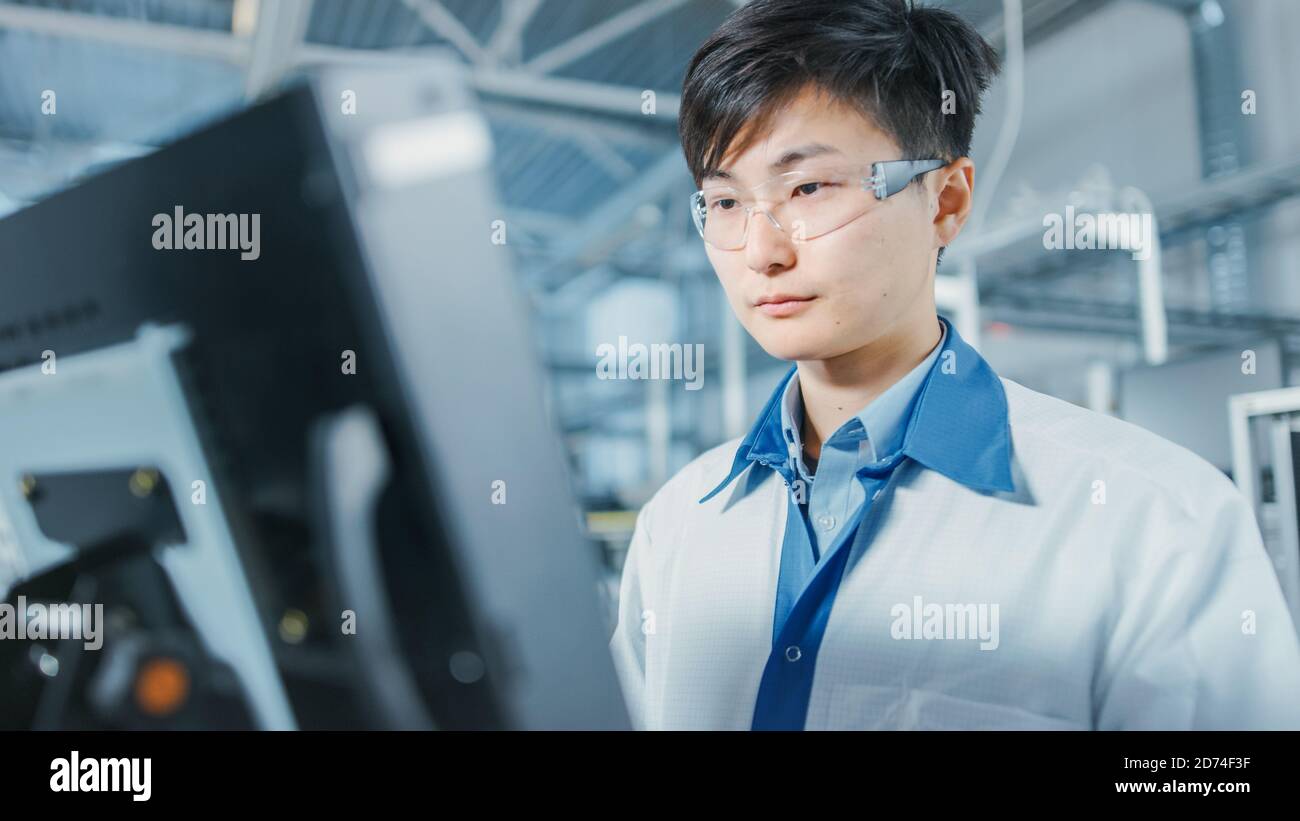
[{"x": 904, "y": 539}]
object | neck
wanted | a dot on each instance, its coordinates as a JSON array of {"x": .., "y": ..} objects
[{"x": 835, "y": 389}]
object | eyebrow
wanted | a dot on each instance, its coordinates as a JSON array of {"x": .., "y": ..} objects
[{"x": 789, "y": 158}]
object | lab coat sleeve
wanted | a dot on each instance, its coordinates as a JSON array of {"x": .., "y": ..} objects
[
  {"x": 635, "y": 619},
  {"x": 1204, "y": 639}
]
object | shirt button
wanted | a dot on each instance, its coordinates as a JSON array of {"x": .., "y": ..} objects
[
  {"x": 826, "y": 522},
  {"x": 793, "y": 653}
]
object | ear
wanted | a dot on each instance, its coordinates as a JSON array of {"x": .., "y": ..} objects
[{"x": 955, "y": 183}]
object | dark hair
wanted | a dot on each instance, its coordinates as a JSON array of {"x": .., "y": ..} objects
[{"x": 889, "y": 59}]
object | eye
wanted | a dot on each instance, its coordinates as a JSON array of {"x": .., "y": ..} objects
[
  {"x": 724, "y": 204},
  {"x": 809, "y": 188}
]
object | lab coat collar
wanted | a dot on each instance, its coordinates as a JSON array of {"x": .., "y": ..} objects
[{"x": 959, "y": 427}]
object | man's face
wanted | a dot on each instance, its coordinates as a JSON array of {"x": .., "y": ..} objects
[{"x": 849, "y": 287}]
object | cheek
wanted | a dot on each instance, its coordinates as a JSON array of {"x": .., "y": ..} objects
[
  {"x": 868, "y": 256},
  {"x": 909, "y": 228},
  {"x": 864, "y": 269},
  {"x": 851, "y": 262},
  {"x": 729, "y": 273}
]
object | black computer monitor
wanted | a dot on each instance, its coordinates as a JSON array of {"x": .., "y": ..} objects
[{"x": 304, "y": 463}]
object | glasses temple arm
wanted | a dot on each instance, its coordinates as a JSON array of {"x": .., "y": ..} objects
[{"x": 889, "y": 178}]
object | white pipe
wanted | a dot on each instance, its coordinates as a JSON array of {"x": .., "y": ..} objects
[
  {"x": 1151, "y": 295},
  {"x": 1101, "y": 387}
]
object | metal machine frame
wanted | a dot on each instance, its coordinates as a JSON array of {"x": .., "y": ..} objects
[{"x": 1277, "y": 406}]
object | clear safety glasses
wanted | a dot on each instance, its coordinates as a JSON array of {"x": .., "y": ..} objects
[{"x": 806, "y": 203}]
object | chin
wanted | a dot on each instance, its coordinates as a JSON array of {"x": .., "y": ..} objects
[{"x": 791, "y": 348}]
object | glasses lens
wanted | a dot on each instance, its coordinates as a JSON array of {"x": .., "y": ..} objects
[
  {"x": 720, "y": 217},
  {"x": 820, "y": 200},
  {"x": 807, "y": 204}
]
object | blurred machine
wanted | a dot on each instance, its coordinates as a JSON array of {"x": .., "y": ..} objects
[
  {"x": 312, "y": 483},
  {"x": 1265, "y": 428},
  {"x": 1230, "y": 408},
  {"x": 1186, "y": 400}
]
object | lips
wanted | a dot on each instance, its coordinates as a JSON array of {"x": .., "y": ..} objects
[{"x": 783, "y": 305}]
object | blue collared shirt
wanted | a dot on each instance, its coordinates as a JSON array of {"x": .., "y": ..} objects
[{"x": 832, "y": 494}]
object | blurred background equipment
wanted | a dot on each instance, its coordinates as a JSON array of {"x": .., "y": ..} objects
[
  {"x": 282, "y": 467},
  {"x": 1185, "y": 111}
]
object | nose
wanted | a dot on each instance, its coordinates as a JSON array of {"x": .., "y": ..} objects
[{"x": 768, "y": 249}]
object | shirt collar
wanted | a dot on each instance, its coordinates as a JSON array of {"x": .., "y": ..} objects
[
  {"x": 763, "y": 443},
  {"x": 792, "y": 420},
  {"x": 959, "y": 426}
]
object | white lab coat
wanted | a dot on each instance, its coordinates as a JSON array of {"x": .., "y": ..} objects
[{"x": 1132, "y": 586}]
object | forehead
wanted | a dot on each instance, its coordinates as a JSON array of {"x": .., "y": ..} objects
[{"x": 834, "y": 130}]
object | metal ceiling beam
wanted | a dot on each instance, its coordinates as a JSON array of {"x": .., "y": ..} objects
[
  {"x": 1178, "y": 5},
  {"x": 540, "y": 223},
  {"x": 1187, "y": 327},
  {"x": 600, "y": 35},
  {"x": 193, "y": 42},
  {"x": 570, "y": 125},
  {"x": 446, "y": 25},
  {"x": 219, "y": 45},
  {"x": 507, "y": 41},
  {"x": 559, "y": 92},
  {"x": 604, "y": 156},
  {"x": 623, "y": 101},
  {"x": 1256, "y": 187},
  {"x": 281, "y": 27},
  {"x": 606, "y": 225}
]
